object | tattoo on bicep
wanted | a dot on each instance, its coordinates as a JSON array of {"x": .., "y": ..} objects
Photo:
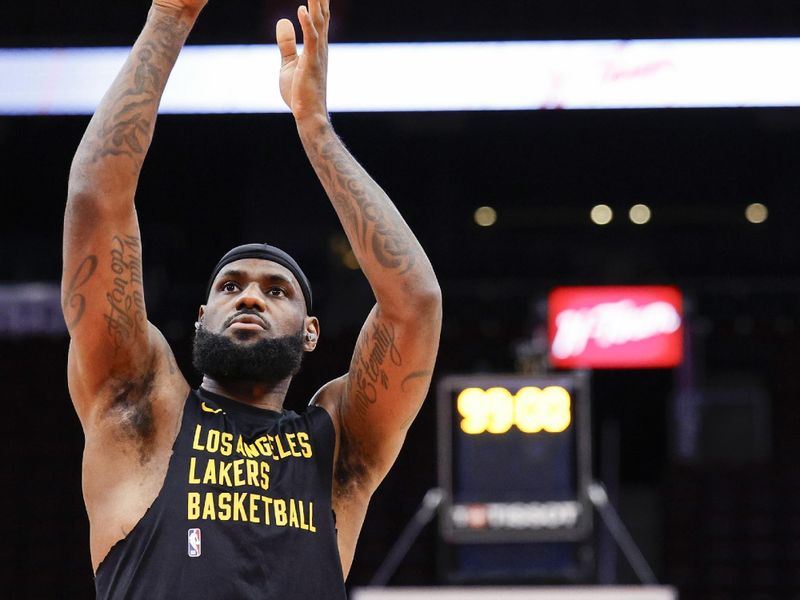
[
  {"x": 74, "y": 300},
  {"x": 378, "y": 228},
  {"x": 126, "y": 318},
  {"x": 412, "y": 376},
  {"x": 367, "y": 371}
]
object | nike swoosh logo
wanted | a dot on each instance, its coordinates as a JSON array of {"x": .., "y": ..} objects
[{"x": 213, "y": 411}]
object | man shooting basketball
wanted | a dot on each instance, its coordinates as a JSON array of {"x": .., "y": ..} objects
[{"x": 219, "y": 492}]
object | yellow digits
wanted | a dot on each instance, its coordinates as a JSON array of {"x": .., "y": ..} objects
[{"x": 531, "y": 409}]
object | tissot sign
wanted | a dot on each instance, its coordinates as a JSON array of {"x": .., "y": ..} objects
[{"x": 616, "y": 327}]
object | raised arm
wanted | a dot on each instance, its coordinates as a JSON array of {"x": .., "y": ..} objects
[
  {"x": 102, "y": 287},
  {"x": 393, "y": 360}
]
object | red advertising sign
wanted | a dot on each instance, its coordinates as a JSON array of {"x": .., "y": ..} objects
[{"x": 616, "y": 327}]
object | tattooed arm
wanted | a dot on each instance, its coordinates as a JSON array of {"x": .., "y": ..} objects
[
  {"x": 123, "y": 380},
  {"x": 102, "y": 288},
  {"x": 393, "y": 360}
]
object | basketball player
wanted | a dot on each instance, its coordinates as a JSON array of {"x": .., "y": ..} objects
[{"x": 219, "y": 492}]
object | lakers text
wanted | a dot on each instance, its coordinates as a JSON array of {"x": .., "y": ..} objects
[{"x": 233, "y": 463}]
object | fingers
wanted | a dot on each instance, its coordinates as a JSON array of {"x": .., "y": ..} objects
[
  {"x": 287, "y": 40},
  {"x": 310, "y": 35},
  {"x": 313, "y": 23},
  {"x": 320, "y": 11}
]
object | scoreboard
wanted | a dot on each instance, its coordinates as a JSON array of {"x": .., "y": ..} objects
[{"x": 514, "y": 458}]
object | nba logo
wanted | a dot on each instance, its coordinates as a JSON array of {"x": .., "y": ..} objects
[{"x": 194, "y": 543}]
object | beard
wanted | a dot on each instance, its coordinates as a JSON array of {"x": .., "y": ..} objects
[{"x": 267, "y": 361}]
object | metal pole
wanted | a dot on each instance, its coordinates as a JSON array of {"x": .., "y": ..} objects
[
  {"x": 607, "y": 512},
  {"x": 426, "y": 511}
]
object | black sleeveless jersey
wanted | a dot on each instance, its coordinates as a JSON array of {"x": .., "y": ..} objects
[{"x": 244, "y": 512}]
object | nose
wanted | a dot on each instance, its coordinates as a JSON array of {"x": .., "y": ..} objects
[{"x": 251, "y": 297}]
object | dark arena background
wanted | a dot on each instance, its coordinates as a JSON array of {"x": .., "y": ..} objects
[{"x": 700, "y": 460}]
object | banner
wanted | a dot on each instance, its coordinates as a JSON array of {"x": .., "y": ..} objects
[
  {"x": 456, "y": 76},
  {"x": 615, "y": 327}
]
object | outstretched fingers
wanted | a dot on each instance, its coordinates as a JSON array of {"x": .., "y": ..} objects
[
  {"x": 303, "y": 75},
  {"x": 320, "y": 11},
  {"x": 310, "y": 34}
]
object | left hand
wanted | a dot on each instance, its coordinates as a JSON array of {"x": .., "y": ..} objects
[
  {"x": 191, "y": 8},
  {"x": 303, "y": 78}
]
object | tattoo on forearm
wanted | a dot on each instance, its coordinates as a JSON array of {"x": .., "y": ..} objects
[
  {"x": 125, "y": 127},
  {"x": 378, "y": 229},
  {"x": 73, "y": 299},
  {"x": 126, "y": 318},
  {"x": 367, "y": 372}
]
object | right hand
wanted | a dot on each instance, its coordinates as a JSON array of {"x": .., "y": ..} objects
[{"x": 303, "y": 77}]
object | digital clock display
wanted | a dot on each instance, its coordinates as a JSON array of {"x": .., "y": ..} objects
[
  {"x": 530, "y": 410},
  {"x": 514, "y": 458}
]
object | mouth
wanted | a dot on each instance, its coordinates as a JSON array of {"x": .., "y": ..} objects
[{"x": 247, "y": 322}]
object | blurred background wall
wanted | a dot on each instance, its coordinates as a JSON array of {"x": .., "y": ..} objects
[{"x": 712, "y": 495}]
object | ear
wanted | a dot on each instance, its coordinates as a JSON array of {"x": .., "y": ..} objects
[
  {"x": 201, "y": 312},
  {"x": 311, "y": 334}
]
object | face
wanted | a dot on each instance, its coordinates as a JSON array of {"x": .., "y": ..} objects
[
  {"x": 253, "y": 298},
  {"x": 254, "y": 326}
]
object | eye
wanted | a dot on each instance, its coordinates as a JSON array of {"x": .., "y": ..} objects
[
  {"x": 276, "y": 291},
  {"x": 229, "y": 286}
]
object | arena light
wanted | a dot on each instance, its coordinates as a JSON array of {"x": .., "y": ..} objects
[
  {"x": 756, "y": 213},
  {"x": 640, "y": 214},
  {"x": 601, "y": 214},
  {"x": 485, "y": 216},
  {"x": 431, "y": 76}
]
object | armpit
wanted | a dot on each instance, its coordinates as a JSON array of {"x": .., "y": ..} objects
[
  {"x": 130, "y": 412},
  {"x": 351, "y": 470}
]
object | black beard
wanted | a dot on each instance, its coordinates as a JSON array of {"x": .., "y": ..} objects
[{"x": 265, "y": 361}]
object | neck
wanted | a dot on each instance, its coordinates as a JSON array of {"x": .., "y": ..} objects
[{"x": 259, "y": 394}]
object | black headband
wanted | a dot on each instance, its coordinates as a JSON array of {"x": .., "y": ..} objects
[{"x": 265, "y": 252}]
